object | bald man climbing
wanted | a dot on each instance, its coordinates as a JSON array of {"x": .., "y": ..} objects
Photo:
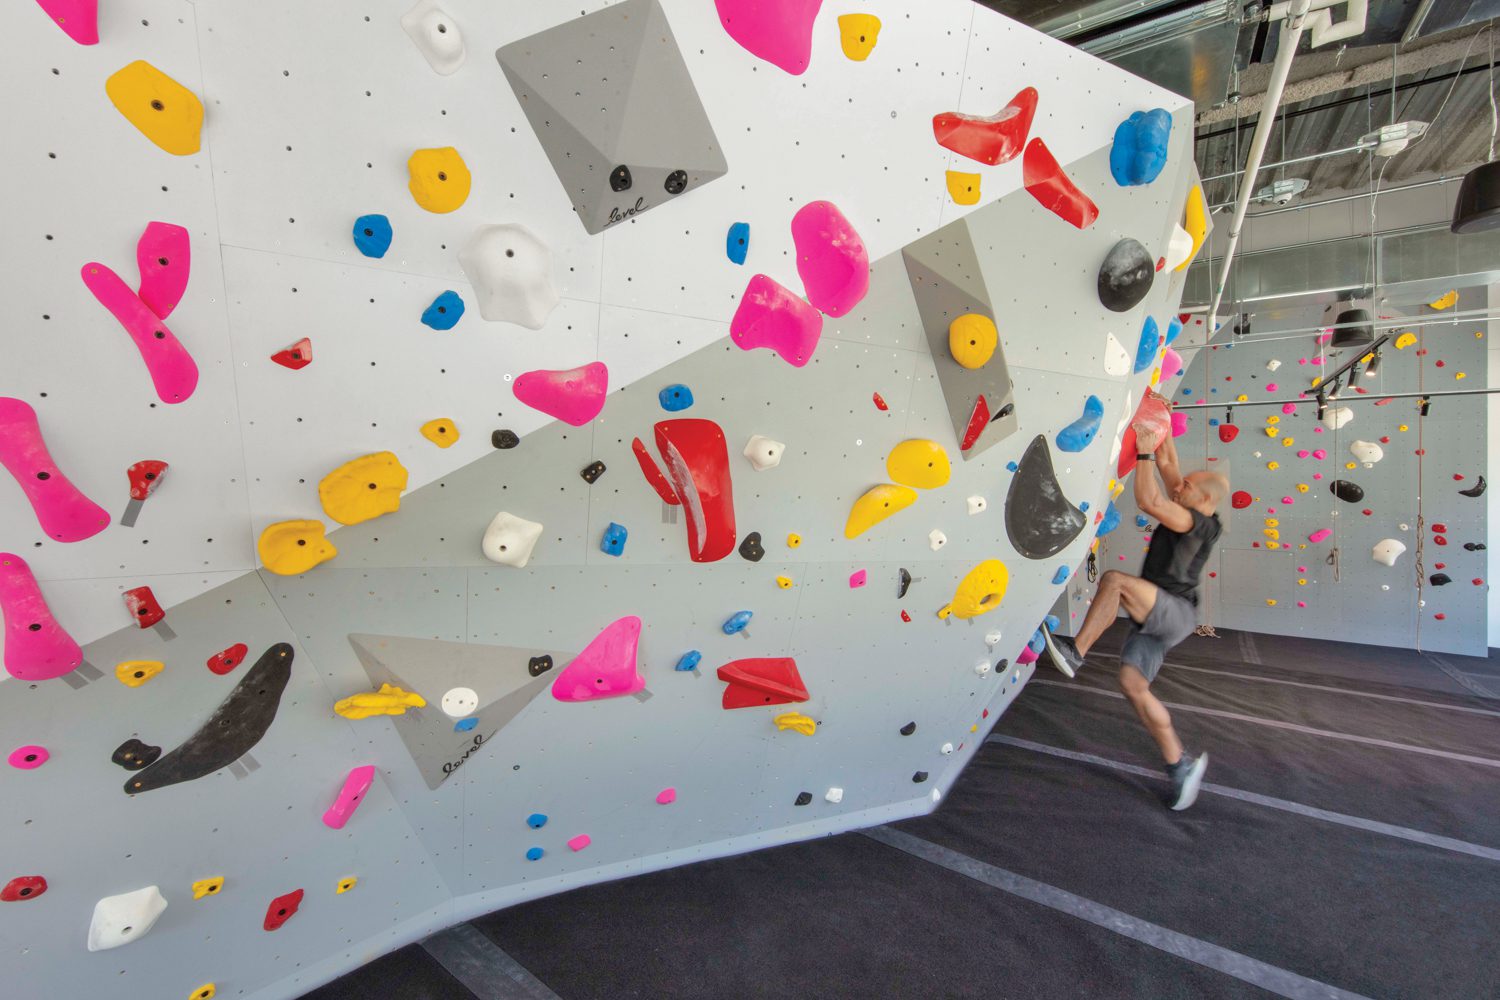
[{"x": 1162, "y": 602}]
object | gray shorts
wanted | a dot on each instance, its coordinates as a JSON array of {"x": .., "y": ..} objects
[{"x": 1172, "y": 619}]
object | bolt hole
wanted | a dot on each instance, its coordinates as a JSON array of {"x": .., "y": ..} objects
[
  {"x": 44, "y": 476},
  {"x": 158, "y": 106}
]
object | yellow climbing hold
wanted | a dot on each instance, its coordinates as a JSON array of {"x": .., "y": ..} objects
[
  {"x": 972, "y": 339},
  {"x": 918, "y": 462},
  {"x": 1272, "y": 522},
  {"x": 1270, "y": 432},
  {"x": 963, "y": 188},
  {"x": 345, "y": 884},
  {"x": 389, "y": 700},
  {"x": 1445, "y": 301},
  {"x": 1241, "y": 398},
  {"x": 1287, "y": 442},
  {"x": 291, "y": 547},
  {"x": 1271, "y": 533},
  {"x": 1273, "y": 545},
  {"x": 439, "y": 179},
  {"x": 878, "y": 503},
  {"x": 1301, "y": 583},
  {"x": 1273, "y": 420},
  {"x": 784, "y": 582},
  {"x": 796, "y": 720},
  {"x": 441, "y": 432},
  {"x": 208, "y": 886},
  {"x": 1350, "y": 465},
  {"x": 164, "y": 110},
  {"x": 1195, "y": 221},
  {"x": 363, "y": 489},
  {"x": 1273, "y": 466},
  {"x": 1405, "y": 340},
  {"x": 981, "y": 590},
  {"x": 134, "y": 673},
  {"x": 1270, "y": 602},
  {"x": 793, "y": 540},
  {"x": 204, "y": 992},
  {"x": 857, "y": 34},
  {"x": 1402, "y": 428},
  {"x": 1459, "y": 375},
  {"x": 1155, "y": 376}
]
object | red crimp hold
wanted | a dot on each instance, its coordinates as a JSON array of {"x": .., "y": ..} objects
[
  {"x": 904, "y": 616},
  {"x": 1440, "y": 528},
  {"x": 991, "y": 139},
  {"x": 282, "y": 909},
  {"x": 1161, "y": 264},
  {"x": 979, "y": 419},
  {"x": 1440, "y": 539},
  {"x": 23, "y": 887},
  {"x": 653, "y": 475},
  {"x": 880, "y": 402},
  {"x": 1048, "y": 184},
  {"x": 143, "y": 606},
  {"x": 225, "y": 661},
  {"x": 145, "y": 477},
  {"x": 768, "y": 681},
  {"x": 296, "y": 357},
  {"x": 697, "y": 460}
]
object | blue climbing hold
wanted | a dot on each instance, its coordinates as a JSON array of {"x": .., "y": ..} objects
[
  {"x": 1011, "y": 466},
  {"x": 613, "y": 542},
  {"x": 1038, "y": 643},
  {"x": 1213, "y": 421},
  {"x": 737, "y": 243},
  {"x": 675, "y": 397},
  {"x": 536, "y": 820},
  {"x": 445, "y": 311},
  {"x": 534, "y": 853},
  {"x": 372, "y": 235},
  {"x": 689, "y": 661},
  {"x": 1077, "y": 435},
  {"x": 1052, "y": 623},
  {"x": 1083, "y": 505},
  {"x": 1150, "y": 341},
  {"x": 464, "y": 725},
  {"x": 1110, "y": 521},
  {"x": 1139, "y": 151},
  {"x": 737, "y": 622},
  {"x": 1141, "y": 522},
  {"x": 1061, "y": 575},
  {"x": 1173, "y": 329}
]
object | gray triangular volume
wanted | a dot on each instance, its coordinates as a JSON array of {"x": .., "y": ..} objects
[
  {"x": 499, "y": 675},
  {"x": 611, "y": 90},
  {"x": 946, "y": 283}
]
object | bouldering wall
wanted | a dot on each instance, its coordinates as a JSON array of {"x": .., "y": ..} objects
[
  {"x": 427, "y": 522},
  {"x": 1298, "y": 558}
]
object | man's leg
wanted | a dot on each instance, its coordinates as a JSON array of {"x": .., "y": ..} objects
[
  {"x": 1116, "y": 590},
  {"x": 1153, "y": 714}
]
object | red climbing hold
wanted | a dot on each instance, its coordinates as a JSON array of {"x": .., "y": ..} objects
[
  {"x": 1440, "y": 565},
  {"x": 143, "y": 606},
  {"x": 979, "y": 419},
  {"x": 698, "y": 461},
  {"x": 1367, "y": 512},
  {"x": 768, "y": 681},
  {"x": 227, "y": 660},
  {"x": 1457, "y": 478},
  {"x": 1161, "y": 264},
  {"x": 1440, "y": 616},
  {"x": 991, "y": 139},
  {"x": 880, "y": 403},
  {"x": 299, "y": 355},
  {"x": 1240, "y": 500},
  {"x": 653, "y": 473},
  {"x": 904, "y": 616},
  {"x": 23, "y": 887},
  {"x": 282, "y": 909},
  {"x": 1048, "y": 184},
  {"x": 1440, "y": 539},
  {"x": 1228, "y": 432},
  {"x": 1478, "y": 582},
  {"x": 145, "y": 477}
]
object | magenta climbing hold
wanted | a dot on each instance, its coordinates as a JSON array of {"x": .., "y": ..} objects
[
  {"x": 1026, "y": 655},
  {"x": 37, "y": 648},
  {"x": 1171, "y": 364},
  {"x": 356, "y": 784},
  {"x": 1179, "y": 424},
  {"x": 79, "y": 19},
  {"x": 65, "y": 514},
  {"x": 831, "y": 258},
  {"x": 771, "y": 316},
  {"x": 172, "y": 369},
  {"x": 666, "y": 796},
  {"x": 574, "y": 396},
  {"x": 1320, "y": 534},
  {"x": 778, "y": 31},
  {"x": 607, "y": 666},
  {"x": 857, "y": 578},
  {"x": 581, "y": 841},
  {"x": 28, "y": 758},
  {"x": 163, "y": 257}
]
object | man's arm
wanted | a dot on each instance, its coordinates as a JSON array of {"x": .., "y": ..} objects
[
  {"x": 1148, "y": 495},
  {"x": 1166, "y": 455}
]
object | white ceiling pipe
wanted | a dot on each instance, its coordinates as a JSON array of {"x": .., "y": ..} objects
[{"x": 1320, "y": 19}]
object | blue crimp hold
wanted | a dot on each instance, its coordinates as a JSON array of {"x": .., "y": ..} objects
[
  {"x": 1081, "y": 432},
  {"x": 464, "y": 725},
  {"x": 372, "y": 235},
  {"x": 737, "y": 243},
  {"x": 613, "y": 542},
  {"x": 1061, "y": 575},
  {"x": 1111, "y": 520},
  {"x": 445, "y": 312},
  {"x": 536, "y": 820},
  {"x": 690, "y": 660},
  {"x": 675, "y": 397},
  {"x": 534, "y": 853},
  {"x": 1139, "y": 151},
  {"x": 1145, "y": 353},
  {"x": 1083, "y": 505},
  {"x": 1141, "y": 522},
  {"x": 737, "y": 622},
  {"x": 1011, "y": 466}
]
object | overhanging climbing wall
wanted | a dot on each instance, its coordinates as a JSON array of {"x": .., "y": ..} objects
[{"x": 382, "y": 250}]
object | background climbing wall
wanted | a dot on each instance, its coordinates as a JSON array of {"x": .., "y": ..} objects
[{"x": 311, "y": 113}]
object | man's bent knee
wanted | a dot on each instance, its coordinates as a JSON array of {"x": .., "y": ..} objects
[
  {"x": 1113, "y": 578},
  {"x": 1133, "y": 682}
]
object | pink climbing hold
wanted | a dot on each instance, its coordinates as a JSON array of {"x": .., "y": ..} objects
[
  {"x": 63, "y": 512},
  {"x": 79, "y": 19},
  {"x": 173, "y": 371},
  {"x": 1288, "y": 408},
  {"x": 1303, "y": 453},
  {"x": 1270, "y": 386},
  {"x": 37, "y": 648},
  {"x": 164, "y": 258},
  {"x": 1286, "y": 500},
  {"x": 1171, "y": 364},
  {"x": 1179, "y": 424},
  {"x": 581, "y": 841},
  {"x": 1319, "y": 535},
  {"x": 606, "y": 667},
  {"x": 1027, "y": 654},
  {"x": 778, "y": 31},
  {"x": 857, "y": 579},
  {"x": 831, "y": 258},
  {"x": 350, "y": 796},
  {"x": 574, "y": 396},
  {"x": 1320, "y": 454},
  {"x": 1047, "y": 183},
  {"x": 771, "y": 316},
  {"x": 28, "y": 758},
  {"x": 666, "y": 796}
]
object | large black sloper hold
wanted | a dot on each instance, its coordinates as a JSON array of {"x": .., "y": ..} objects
[
  {"x": 1125, "y": 276},
  {"x": 1038, "y": 518}
]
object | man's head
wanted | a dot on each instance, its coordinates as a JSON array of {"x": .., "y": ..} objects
[{"x": 1202, "y": 491}]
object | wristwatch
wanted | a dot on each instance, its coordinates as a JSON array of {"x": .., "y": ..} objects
[{"x": 1145, "y": 458}]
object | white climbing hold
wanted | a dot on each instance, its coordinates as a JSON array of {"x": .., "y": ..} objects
[
  {"x": 936, "y": 539},
  {"x": 937, "y": 796},
  {"x": 459, "y": 702},
  {"x": 124, "y": 918},
  {"x": 1179, "y": 248},
  {"x": 1337, "y": 416},
  {"x": 1367, "y": 452},
  {"x": 982, "y": 668},
  {"x": 992, "y": 639},
  {"x": 435, "y": 35},
  {"x": 947, "y": 748},
  {"x": 764, "y": 453},
  {"x": 1117, "y": 361},
  {"x": 1386, "y": 550},
  {"x": 509, "y": 540},
  {"x": 511, "y": 271},
  {"x": 977, "y": 505},
  {"x": 835, "y": 795},
  {"x": 1405, "y": 527},
  {"x": 1273, "y": 364}
]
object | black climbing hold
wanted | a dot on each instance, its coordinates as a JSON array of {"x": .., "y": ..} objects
[
  {"x": 803, "y": 798},
  {"x": 751, "y": 548},
  {"x": 1439, "y": 579},
  {"x": 1004, "y": 662},
  {"x": 234, "y": 729},
  {"x": 619, "y": 178},
  {"x": 908, "y": 729},
  {"x": 1477, "y": 490},
  {"x": 1346, "y": 491},
  {"x": 539, "y": 665},
  {"x": 1003, "y": 412},
  {"x": 504, "y": 439},
  {"x": 919, "y": 777},
  {"x": 1474, "y": 546},
  {"x": 1038, "y": 518},
  {"x": 676, "y": 182},
  {"x": 133, "y": 755},
  {"x": 905, "y": 583},
  {"x": 1125, "y": 276},
  {"x": 592, "y": 472}
]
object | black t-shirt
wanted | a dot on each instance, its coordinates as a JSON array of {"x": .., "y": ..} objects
[{"x": 1174, "y": 561}]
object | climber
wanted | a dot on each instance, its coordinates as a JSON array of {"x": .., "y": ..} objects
[{"x": 1162, "y": 602}]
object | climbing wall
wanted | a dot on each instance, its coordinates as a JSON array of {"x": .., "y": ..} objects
[
  {"x": 321, "y": 703},
  {"x": 1295, "y": 558}
]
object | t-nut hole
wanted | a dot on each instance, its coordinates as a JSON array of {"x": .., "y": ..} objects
[
  {"x": 44, "y": 476},
  {"x": 510, "y": 253},
  {"x": 158, "y": 106}
]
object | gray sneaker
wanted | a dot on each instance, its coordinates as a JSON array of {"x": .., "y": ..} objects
[
  {"x": 1187, "y": 777},
  {"x": 1063, "y": 653}
]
